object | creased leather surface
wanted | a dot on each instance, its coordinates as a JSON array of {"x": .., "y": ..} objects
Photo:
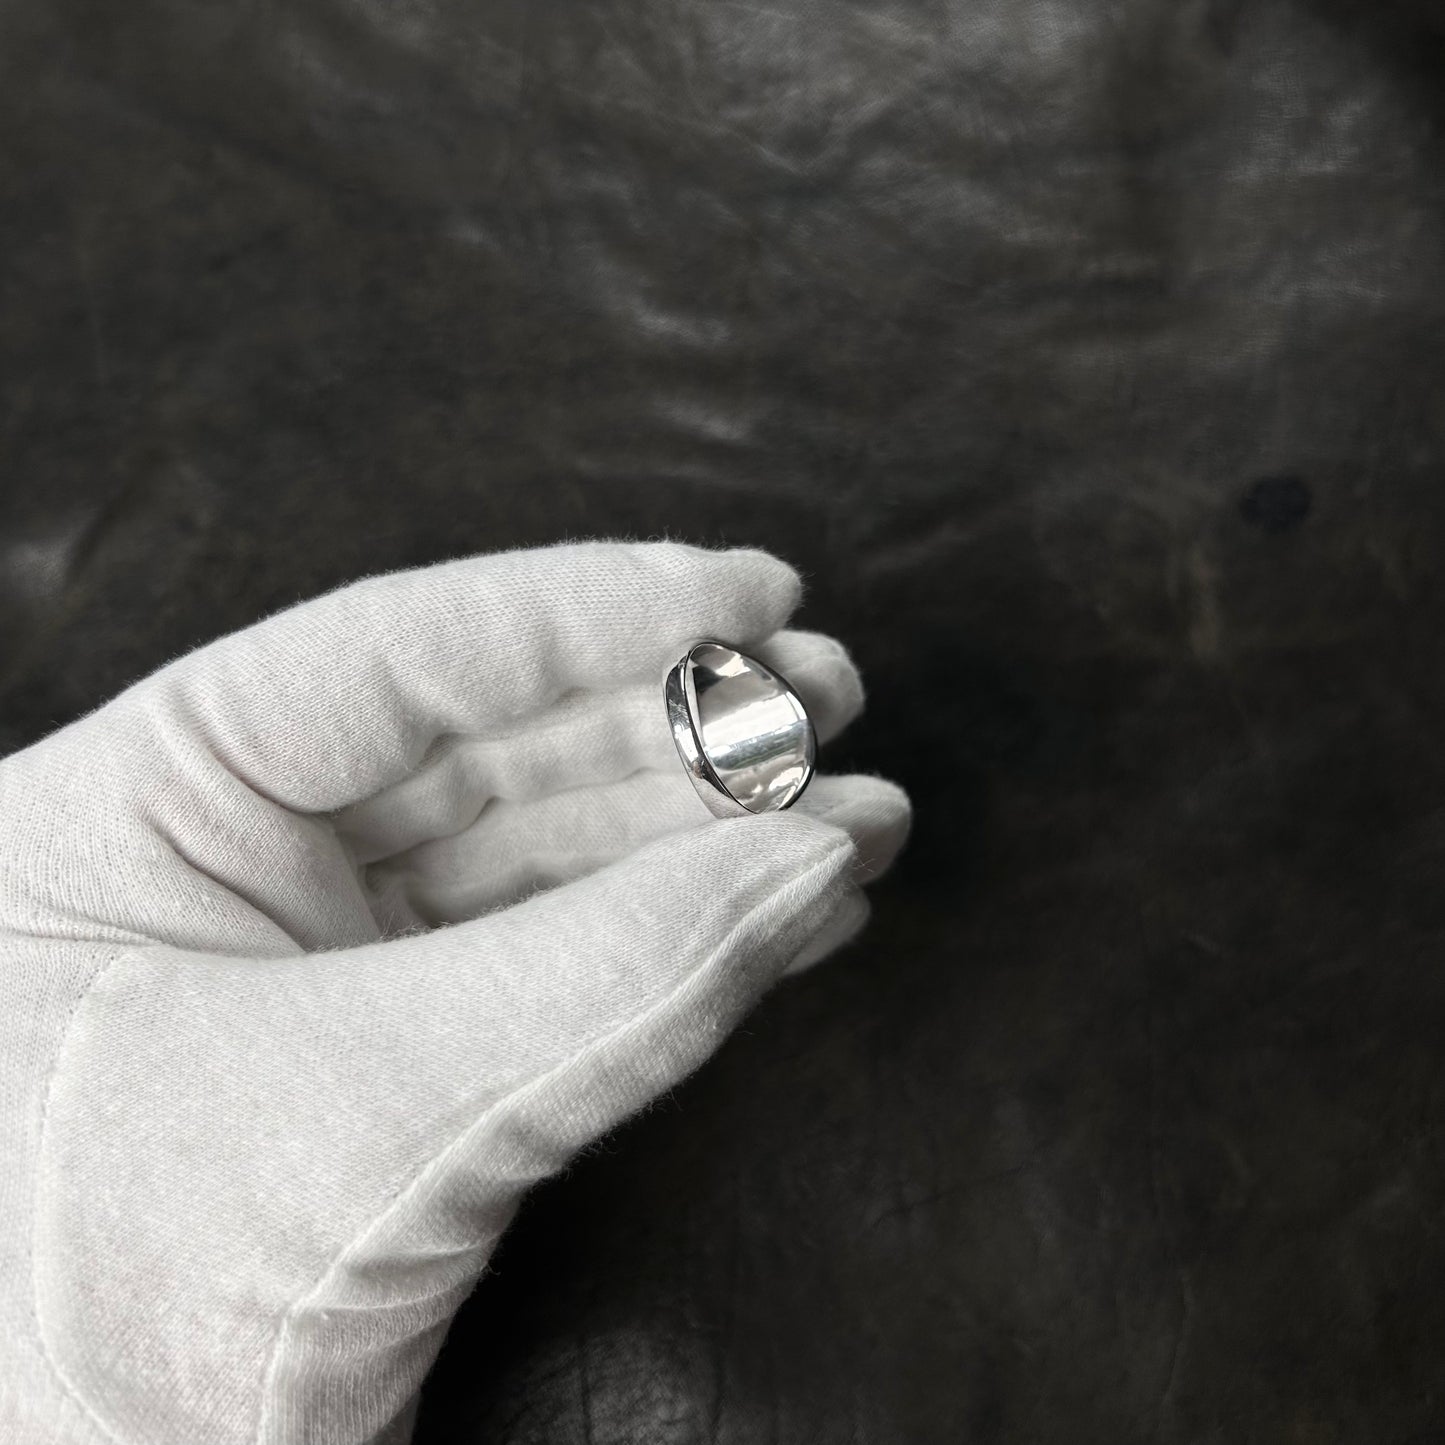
[{"x": 1088, "y": 356}]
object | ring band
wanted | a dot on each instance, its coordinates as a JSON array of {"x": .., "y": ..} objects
[{"x": 741, "y": 730}]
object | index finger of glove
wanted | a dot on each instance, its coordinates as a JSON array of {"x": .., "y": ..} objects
[{"x": 322, "y": 705}]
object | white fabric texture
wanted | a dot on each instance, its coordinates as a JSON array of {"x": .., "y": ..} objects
[{"x": 321, "y": 945}]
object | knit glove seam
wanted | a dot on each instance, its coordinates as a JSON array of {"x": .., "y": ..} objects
[{"x": 67, "y": 1386}]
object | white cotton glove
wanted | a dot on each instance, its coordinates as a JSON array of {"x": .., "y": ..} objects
[{"x": 290, "y": 1013}]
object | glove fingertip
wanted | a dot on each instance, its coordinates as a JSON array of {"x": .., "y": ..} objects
[
  {"x": 874, "y": 811},
  {"x": 774, "y": 585}
]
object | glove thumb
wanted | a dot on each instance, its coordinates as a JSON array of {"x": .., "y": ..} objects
[{"x": 302, "y": 1164}]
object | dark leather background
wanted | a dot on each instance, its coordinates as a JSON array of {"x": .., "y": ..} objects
[{"x": 1088, "y": 356}]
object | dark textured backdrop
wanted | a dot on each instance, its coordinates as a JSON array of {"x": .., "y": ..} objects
[{"x": 1088, "y": 356}]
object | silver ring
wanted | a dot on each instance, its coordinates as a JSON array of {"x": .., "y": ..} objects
[{"x": 741, "y": 731}]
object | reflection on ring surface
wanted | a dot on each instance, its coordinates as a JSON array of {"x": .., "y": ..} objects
[{"x": 753, "y": 730}]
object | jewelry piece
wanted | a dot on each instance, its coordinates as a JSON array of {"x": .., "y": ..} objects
[{"x": 743, "y": 734}]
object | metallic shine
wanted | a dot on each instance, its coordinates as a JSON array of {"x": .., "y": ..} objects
[{"x": 742, "y": 732}]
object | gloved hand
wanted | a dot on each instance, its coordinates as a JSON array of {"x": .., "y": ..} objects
[{"x": 291, "y": 1014}]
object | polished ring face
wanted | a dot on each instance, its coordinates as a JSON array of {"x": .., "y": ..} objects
[{"x": 742, "y": 732}]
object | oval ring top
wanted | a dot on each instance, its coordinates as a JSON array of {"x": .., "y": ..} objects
[{"x": 742, "y": 732}]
